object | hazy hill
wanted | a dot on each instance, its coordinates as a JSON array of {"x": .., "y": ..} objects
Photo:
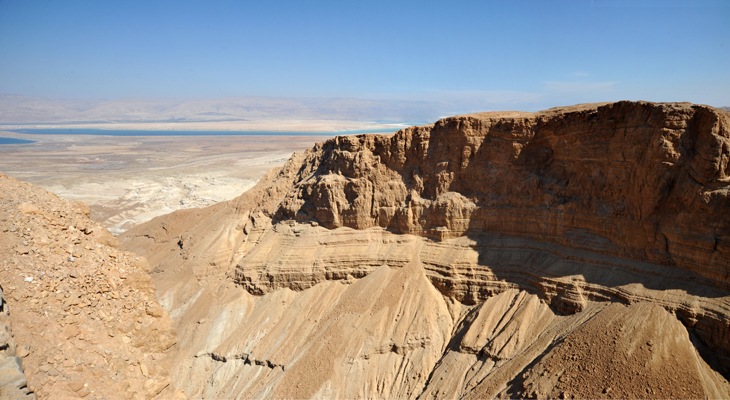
[
  {"x": 25, "y": 109},
  {"x": 17, "y": 109}
]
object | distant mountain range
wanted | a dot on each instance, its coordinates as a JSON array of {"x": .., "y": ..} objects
[
  {"x": 26, "y": 109},
  {"x": 18, "y": 109}
]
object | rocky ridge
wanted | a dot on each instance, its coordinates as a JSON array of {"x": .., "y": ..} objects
[
  {"x": 575, "y": 252},
  {"x": 83, "y": 313}
]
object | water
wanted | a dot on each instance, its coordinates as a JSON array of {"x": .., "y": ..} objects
[
  {"x": 121, "y": 132},
  {"x": 7, "y": 140}
]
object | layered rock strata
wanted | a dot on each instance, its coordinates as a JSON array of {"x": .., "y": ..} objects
[
  {"x": 489, "y": 251},
  {"x": 82, "y": 312},
  {"x": 637, "y": 180}
]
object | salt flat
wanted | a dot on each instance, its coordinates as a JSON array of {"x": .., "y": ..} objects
[{"x": 130, "y": 180}]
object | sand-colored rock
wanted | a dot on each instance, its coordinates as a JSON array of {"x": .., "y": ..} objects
[
  {"x": 77, "y": 306},
  {"x": 464, "y": 259}
]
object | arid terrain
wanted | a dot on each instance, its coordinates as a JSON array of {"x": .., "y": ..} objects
[
  {"x": 80, "y": 313},
  {"x": 577, "y": 252},
  {"x": 128, "y": 180}
]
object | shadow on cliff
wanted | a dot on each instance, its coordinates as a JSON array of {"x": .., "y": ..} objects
[{"x": 538, "y": 266}]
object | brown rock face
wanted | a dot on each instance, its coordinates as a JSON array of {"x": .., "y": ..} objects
[
  {"x": 486, "y": 255},
  {"x": 638, "y": 180}
]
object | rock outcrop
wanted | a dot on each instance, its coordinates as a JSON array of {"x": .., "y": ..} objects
[
  {"x": 13, "y": 384},
  {"x": 486, "y": 255},
  {"x": 83, "y": 314},
  {"x": 636, "y": 180}
]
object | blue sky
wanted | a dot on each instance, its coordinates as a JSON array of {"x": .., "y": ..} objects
[{"x": 492, "y": 54}]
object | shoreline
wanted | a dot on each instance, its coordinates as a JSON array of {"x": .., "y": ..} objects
[
  {"x": 137, "y": 132},
  {"x": 313, "y": 126}
]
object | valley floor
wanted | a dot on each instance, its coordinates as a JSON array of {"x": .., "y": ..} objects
[{"x": 130, "y": 180}]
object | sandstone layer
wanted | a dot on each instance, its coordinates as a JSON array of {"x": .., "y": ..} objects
[
  {"x": 575, "y": 252},
  {"x": 82, "y": 313}
]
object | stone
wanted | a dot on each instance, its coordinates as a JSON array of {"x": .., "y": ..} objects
[
  {"x": 12, "y": 380},
  {"x": 70, "y": 331},
  {"x": 154, "y": 310},
  {"x": 7, "y": 343},
  {"x": 23, "y": 351}
]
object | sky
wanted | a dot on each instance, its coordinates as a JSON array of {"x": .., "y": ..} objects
[{"x": 490, "y": 55}]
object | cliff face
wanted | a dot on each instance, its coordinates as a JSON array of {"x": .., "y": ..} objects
[
  {"x": 471, "y": 257},
  {"x": 637, "y": 180}
]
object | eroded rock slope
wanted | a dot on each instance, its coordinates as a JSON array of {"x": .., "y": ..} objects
[
  {"x": 577, "y": 252},
  {"x": 82, "y": 313}
]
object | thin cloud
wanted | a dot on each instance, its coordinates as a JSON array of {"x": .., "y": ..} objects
[{"x": 581, "y": 73}]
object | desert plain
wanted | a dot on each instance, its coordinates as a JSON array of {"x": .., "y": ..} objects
[{"x": 127, "y": 180}]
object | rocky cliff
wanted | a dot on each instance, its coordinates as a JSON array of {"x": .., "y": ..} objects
[
  {"x": 636, "y": 180},
  {"x": 580, "y": 251}
]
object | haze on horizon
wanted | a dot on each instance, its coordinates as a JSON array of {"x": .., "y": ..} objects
[{"x": 424, "y": 59}]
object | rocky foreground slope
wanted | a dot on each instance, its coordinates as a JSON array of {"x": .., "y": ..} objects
[
  {"x": 79, "y": 317},
  {"x": 575, "y": 252}
]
